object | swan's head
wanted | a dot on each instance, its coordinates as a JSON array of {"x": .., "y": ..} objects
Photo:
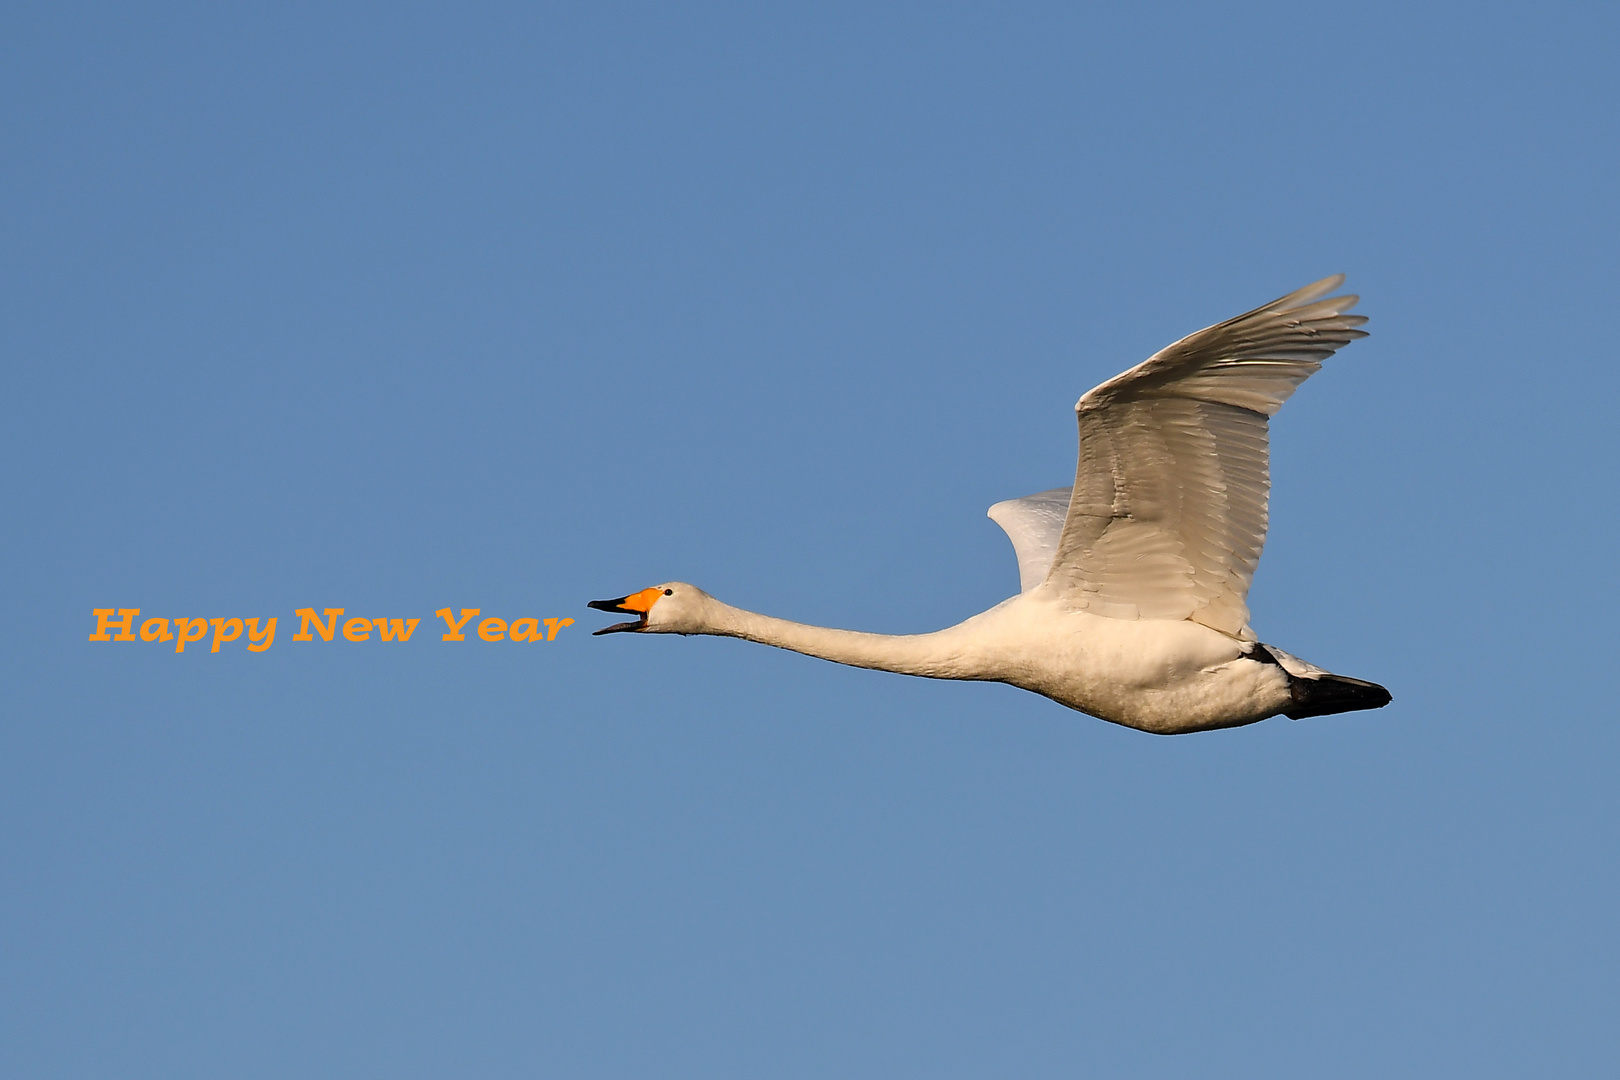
[{"x": 671, "y": 608}]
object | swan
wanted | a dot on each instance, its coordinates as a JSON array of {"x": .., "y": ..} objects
[{"x": 1133, "y": 583}]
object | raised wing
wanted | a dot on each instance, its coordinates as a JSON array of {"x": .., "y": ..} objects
[
  {"x": 1169, "y": 513},
  {"x": 1033, "y": 524}
]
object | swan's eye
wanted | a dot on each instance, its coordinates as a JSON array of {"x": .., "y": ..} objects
[{"x": 669, "y": 592}]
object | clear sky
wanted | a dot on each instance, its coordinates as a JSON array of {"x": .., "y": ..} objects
[{"x": 399, "y": 307}]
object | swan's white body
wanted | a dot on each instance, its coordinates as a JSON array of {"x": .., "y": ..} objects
[{"x": 1135, "y": 580}]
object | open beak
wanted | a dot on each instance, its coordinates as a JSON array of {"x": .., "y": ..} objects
[{"x": 637, "y": 604}]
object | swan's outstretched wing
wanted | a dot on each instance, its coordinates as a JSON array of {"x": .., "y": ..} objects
[
  {"x": 1169, "y": 509},
  {"x": 1033, "y": 524}
]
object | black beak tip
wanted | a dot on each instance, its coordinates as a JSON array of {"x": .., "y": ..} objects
[{"x": 617, "y": 607}]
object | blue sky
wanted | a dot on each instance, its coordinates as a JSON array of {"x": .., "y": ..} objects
[{"x": 402, "y": 307}]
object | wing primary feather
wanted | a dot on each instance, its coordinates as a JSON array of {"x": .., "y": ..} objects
[
  {"x": 1168, "y": 513},
  {"x": 1033, "y": 524}
]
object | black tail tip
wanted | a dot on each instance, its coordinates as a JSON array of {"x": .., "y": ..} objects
[{"x": 1328, "y": 694}]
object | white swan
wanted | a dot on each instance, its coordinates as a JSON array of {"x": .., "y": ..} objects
[{"x": 1134, "y": 581}]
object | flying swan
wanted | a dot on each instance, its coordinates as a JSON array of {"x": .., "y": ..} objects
[{"x": 1133, "y": 582}]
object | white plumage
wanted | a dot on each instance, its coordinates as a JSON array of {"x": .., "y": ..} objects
[{"x": 1134, "y": 582}]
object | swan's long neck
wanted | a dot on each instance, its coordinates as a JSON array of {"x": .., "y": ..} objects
[{"x": 944, "y": 654}]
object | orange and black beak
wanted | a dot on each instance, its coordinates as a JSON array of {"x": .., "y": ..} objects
[{"x": 637, "y": 604}]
